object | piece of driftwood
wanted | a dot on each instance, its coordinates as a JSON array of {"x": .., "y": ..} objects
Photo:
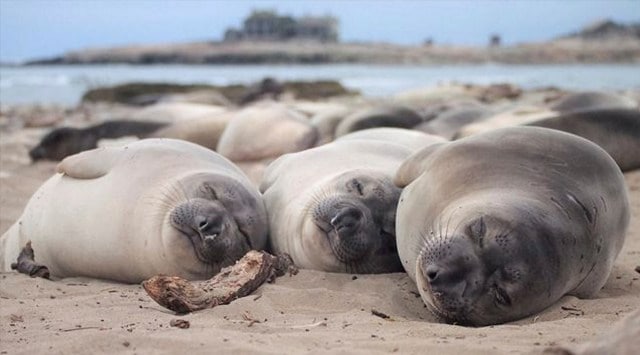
[
  {"x": 27, "y": 264},
  {"x": 239, "y": 280}
]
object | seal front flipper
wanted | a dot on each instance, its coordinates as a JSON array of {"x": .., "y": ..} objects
[
  {"x": 414, "y": 165},
  {"x": 26, "y": 264},
  {"x": 91, "y": 164}
]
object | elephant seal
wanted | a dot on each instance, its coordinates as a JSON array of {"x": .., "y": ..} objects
[
  {"x": 266, "y": 132},
  {"x": 205, "y": 132},
  {"x": 156, "y": 206},
  {"x": 501, "y": 225},
  {"x": 592, "y": 100},
  {"x": 176, "y": 111},
  {"x": 383, "y": 116},
  {"x": 617, "y": 131},
  {"x": 62, "y": 142},
  {"x": 326, "y": 123},
  {"x": 449, "y": 122},
  {"x": 332, "y": 208},
  {"x": 514, "y": 117}
]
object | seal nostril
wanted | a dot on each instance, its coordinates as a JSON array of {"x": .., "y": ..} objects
[
  {"x": 346, "y": 218},
  {"x": 432, "y": 272},
  {"x": 202, "y": 222}
]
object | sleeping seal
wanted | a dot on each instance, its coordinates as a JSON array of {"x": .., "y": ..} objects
[
  {"x": 332, "y": 208},
  {"x": 265, "y": 131},
  {"x": 382, "y": 116},
  {"x": 129, "y": 213},
  {"x": 617, "y": 131},
  {"x": 591, "y": 100},
  {"x": 61, "y": 142},
  {"x": 499, "y": 226}
]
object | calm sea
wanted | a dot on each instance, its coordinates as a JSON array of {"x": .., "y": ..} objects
[{"x": 66, "y": 84}]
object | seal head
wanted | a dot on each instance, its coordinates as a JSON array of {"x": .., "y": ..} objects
[
  {"x": 488, "y": 270},
  {"x": 218, "y": 216},
  {"x": 357, "y": 221}
]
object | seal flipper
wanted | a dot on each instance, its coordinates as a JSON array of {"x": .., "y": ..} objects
[
  {"x": 90, "y": 164},
  {"x": 414, "y": 165}
]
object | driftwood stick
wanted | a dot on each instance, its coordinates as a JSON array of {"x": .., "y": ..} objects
[
  {"x": 27, "y": 264},
  {"x": 239, "y": 280}
]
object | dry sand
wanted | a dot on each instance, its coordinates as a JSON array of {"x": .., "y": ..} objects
[{"x": 310, "y": 312}]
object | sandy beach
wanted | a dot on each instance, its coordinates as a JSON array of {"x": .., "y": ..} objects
[{"x": 310, "y": 312}]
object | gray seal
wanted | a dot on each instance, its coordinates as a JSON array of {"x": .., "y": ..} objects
[
  {"x": 382, "y": 116},
  {"x": 61, "y": 142},
  {"x": 591, "y": 100},
  {"x": 332, "y": 208},
  {"x": 499, "y": 226},
  {"x": 617, "y": 131}
]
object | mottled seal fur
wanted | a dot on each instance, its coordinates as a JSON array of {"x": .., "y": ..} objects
[
  {"x": 617, "y": 131},
  {"x": 499, "y": 226}
]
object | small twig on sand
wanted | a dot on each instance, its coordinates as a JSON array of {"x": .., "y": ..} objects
[
  {"x": 232, "y": 282},
  {"x": 82, "y": 328},
  {"x": 380, "y": 314}
]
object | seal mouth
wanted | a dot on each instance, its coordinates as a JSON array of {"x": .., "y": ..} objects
[
  {"x": 379, "y": 256},
  {"x": 210, "y": 231},
  {"x": 208, "y": 248},
  {"x": 432, "y": 299},
  {"x": 345, "y": 226}
]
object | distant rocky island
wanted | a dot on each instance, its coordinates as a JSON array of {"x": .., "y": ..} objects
[{"x": 269, "y": 38}]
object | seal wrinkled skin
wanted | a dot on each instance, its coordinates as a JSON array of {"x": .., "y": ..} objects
[
  {"x": 155, "y": 206},
  {"x": 499, "y": 226},
  {"x": 215, "y": 235},
  {"x": 333, "y": 207},
  {"x": 359, "y": 223},
  {"x": 355, "y": 231}
]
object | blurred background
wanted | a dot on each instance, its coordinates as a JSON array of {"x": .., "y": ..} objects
[{"x": 54, "y": 51}]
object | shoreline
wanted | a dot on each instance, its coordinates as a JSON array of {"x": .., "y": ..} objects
[
  {"x": 65, "y": 84},
  {"x": 564, "y": 51}
]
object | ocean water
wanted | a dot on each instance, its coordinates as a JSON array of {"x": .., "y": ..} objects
[{"x": 66, "y": 84}]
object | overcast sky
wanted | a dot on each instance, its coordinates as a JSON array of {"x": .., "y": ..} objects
[{"x": 38, "y": 28}]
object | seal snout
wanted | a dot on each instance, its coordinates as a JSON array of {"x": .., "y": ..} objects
[
  {"x": 209, "y": 225},
  {"x": 350, "y": 241},
  {"x": 204, "y": 222},
  {"x": 346, "y": 225},
  {"x": 346, "y": 220},
  {"x": 452, "y": 275}
]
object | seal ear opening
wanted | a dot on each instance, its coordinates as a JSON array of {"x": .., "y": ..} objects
[{"x": 414, "y": 166}]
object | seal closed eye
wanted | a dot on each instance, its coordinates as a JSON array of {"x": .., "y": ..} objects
[
  {"x": 332, "y": 208},
  {"x": 157, "y": 206},
  {"x": 543, "y": 215}
]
